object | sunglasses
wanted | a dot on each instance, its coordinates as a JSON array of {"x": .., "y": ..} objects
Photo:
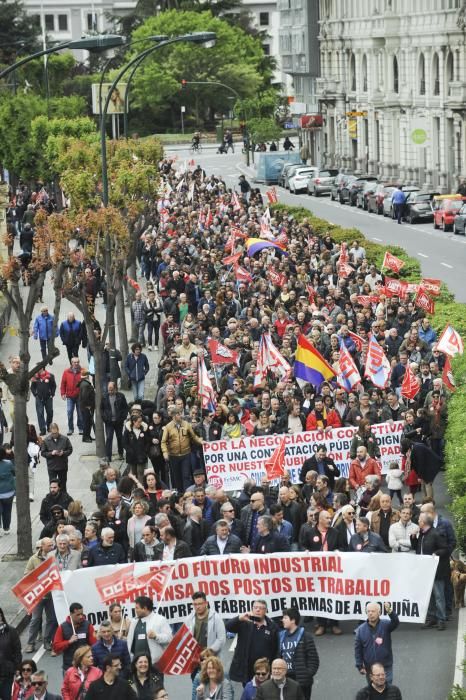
[
  {"x": 38, "y": 683},
  {"x": 27, "y": 668},
  {"x": 261, "y": 675}
]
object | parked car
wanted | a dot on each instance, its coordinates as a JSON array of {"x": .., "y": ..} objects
[
  {"x": 445, "y": 208},
  {"x": 418, "y": 206},
  {"x": 363, "y": 193},
  {"x": 356, "y": 185},
  {"x": 387, "y": 203},
  {"x": 459, "y": 224},
  {"x": 344, "y": 188},
  {"x": 376, "y": 197},
  {"x": 297, "y": 182},
  {"x": 336, "y": 185},
  {"x": 321, "y": 182},
  {"x": 286, "y": 169}
]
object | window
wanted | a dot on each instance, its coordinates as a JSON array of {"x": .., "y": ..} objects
[
  {"x": 422, "y": 75},
  {"x": 364, "y": 73},
  {"x": 50, "y": 23},
  {"x": 266, "y": 48},
  {"x": 264, "y": 19},
  {"x": 395, "y": 75},
  {"x": 435, "y": 75},
  {"x": 62, "y": 23},
  {"x": 91, "y": 22},
  {"x": 352, "y": 69},
  {"x": 449, "y": 76}
]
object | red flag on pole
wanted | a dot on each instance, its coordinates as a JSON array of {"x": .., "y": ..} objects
[
  {"x": 272, "y": 195},
  {"x": 35, "y": 585},
  {"x": 447, "y": 375},
  {"x": 392, "y": 262},
  {"x": 357, "y": 339},
  {"x": 431, "y": 285},
  {"x": 423, "y": 301},
  {"x": 277, "y": 278},
  {"x": 231, "y": 259},
  {"x": 394, "y": 287},
  {"x": 182, "y": 654},
  {"x": 112, "y": 588},
  {"x": 275, "y": 466},
  {"x": 220, "y": 354},
  {"x": 410, "y": 385},
  {"x": 241, "y": 274}
]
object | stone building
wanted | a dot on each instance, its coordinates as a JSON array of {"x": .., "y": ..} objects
[{"x": 392, "y": 90}]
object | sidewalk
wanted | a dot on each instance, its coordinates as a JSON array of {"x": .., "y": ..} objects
[{"x": 82, "y": 462}]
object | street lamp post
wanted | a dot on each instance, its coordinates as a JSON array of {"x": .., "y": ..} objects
[{"x": 206, "y": 38}]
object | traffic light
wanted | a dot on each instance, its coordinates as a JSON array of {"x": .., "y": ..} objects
[{"x": 183, "y": 84}]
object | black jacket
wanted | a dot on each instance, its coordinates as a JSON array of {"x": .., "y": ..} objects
[
  {"x": 195, "y": 534},
  {"x": 342, "y": 544},
  {"x": 305, "y": 658},
  {"x": 139, "y": 553},
  {"x": 136, "y": 448},
  {"x": 58, "y": 462},
  {"x": 86, "y": 394},
  {"x": 425, "y": 462},
  {"x": 311, "y": 538},
  {"x": 210, "y": 546},
  {"x": 273, "y": 542},
  {"x": 241, "y": 669},
  {"x": 62, "y": 499},
  {"x": 181, "y": 551},
  {"x": 432, "y": 542},
  {"x": 121, "y": 408},
  {"x": 393, "y": 693},
  {"x": 270, "y": 691},
  {"x": 44, "y": 389},
  {"x": 10, "y": 653},
  {"x": 99, "y": 555},
  {"x": 330, "y": 468}
]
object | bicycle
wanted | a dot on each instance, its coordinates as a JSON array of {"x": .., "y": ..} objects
[{"x": 195, "y": 148}]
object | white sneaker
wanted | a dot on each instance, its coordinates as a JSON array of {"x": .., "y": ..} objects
[
  {"x": 156, "y": 347},
  {"x": 149, "y": 347},
  {"x": 31, "y": 499},
  {"x": 6, "y": 532}
]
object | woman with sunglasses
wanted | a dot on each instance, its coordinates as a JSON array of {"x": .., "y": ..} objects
[
  {"x": 10, "y": 656},
  {"x": 261, "y": 674},
  {"x": 22, "y": 685}
]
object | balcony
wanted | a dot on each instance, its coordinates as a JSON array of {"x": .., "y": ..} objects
[
  {"x": 329, "y": 88},
  {"x": 456, "y": 98}
]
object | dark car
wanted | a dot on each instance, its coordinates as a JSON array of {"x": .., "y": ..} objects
[
  {"x": 418, "y": 206},
  {"x": 322, "y": 182},
  {"x": 387, "y": 203},
  {"x": 354, "y": 187},
  {"x": 363, "y": 193},
  {"x": 376, "y": 197},
  {"x": 336, "y": 185},
  {"x": 344, "y": 188}
]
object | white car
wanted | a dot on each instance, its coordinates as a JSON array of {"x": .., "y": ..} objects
[{"x": 298, "y": 181}]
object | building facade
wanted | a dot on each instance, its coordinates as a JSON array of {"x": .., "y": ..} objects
[{"x": 392, "y": 90}]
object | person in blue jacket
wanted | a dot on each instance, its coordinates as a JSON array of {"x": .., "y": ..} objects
[
  {"x": 373, "y": 642},
  {"x": 136, "y": 367},
  {"x": 43, "y": 330}
]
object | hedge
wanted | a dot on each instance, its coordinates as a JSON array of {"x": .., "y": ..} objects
[{"x": 447, "y": 310}]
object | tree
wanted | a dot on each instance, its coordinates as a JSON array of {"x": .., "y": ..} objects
[
  {"x": 19, "y": 32},
  {"x": 262, "y": 130},
  {"x": 234, "y": 60},
  {"x": 17, "y": 378}
]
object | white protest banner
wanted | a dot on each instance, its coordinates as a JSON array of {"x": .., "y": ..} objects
[
  {"x": 334, "y": 584},
  {"x": 230, "y": 462}
]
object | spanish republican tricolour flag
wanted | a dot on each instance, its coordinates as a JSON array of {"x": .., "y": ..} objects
[{"x": 309, "y": 365}]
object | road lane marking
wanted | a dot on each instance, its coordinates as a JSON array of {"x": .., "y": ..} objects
[
  {"x": 450, "y": 267},
  {"x": 422, "y": 255},
  {"x": 39, "y": 654},
  {"x": 376, "y": 239},
  {"x": 458, "y": 678},
  {"x": 233, "y": 644}
]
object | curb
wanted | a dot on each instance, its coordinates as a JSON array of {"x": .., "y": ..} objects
[{"x": 460, "y": 643}]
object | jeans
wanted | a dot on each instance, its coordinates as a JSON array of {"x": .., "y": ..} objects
[
  {"x": 153, "y": 327},
  {"x": 6, "y": 506},
  {"x": 61, "y": 475},
  {"x": 140, "y": 329},
  {"x": 71, "y": 404},
  {"x": 73, "y": 351},
  {"x": 138, "y": 389},
  {"x": 44, "y": 410},
  {"x": 112, "y": 429},
  {"x": 398, "y": 212},
  {"x": 44, "y": 347},
  {"x": 35, "y": 626},
  {"x": 398, "y": 495},
  {"x": 437, "y": 608},
  {"x": 181, "y": 473}
]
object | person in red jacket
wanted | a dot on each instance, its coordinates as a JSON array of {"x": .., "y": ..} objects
[
  {"x": 322, "y": 418},
  {"x": 75, "y": 632},
  {"x": 78, "y": 678},
  {"x": 69, "y": 390},
  {"x": 361, "y": 467}
]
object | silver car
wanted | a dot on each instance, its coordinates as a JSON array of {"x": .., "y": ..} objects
[
  {"x": 321, "y": 182},
  {"x": 298, "y": 181}
]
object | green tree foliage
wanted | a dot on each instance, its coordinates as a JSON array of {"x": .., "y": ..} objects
[
  {"x": 18, "y": 152},
  {"x": 263, "y": 129},
  {"x": 19, "y": 32},
  {"x": 49, "y": 138},
  {"x": 235, "y": 61}
]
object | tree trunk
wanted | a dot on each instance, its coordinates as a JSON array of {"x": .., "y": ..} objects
[
  {"x": 122, "y": 335},
  {"x": 23, "y": 513},
  {"x": 131, "y": 295},
  {"x": 99, "y": 377}
]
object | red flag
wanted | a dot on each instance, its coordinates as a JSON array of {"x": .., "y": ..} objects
[
  {"x": 447, "y": 375},
  {"x": 35, "y": 585},
  {"x": 275, "y": 466},
  {"x": 450, "y": 342},
  {"x": 366, "y": 300},
  {"x": 242, "y": 275},
  {"x": 112, "y": 588},
  {"x": 423, "y": 301},
  {"x": 277, "y": 278},
  {"x": 272, "y": 195},
  {"x": 209, "y": 219},
  {"x": 345, "y": 269},
  {"x": 312, "y": 293},
  {"x": 344, "y": 255},
  {"x": 182, "y": 654},
  {"x": 410, "y": 385},
  {"x": 431, "y": 285},
  {"x": 220, "y": 354},
  {"x": 357, "y": 339},
  {"x": 191, "y": 162},
  {"x": 231, "y": 259},
  {"x": 392, "y": 262},
  {"x": 235, "y": 202},
  {"x": 412, "y": 288},
  {"x": 394, "y": 287},
  {"x": 236, "y": 231}
]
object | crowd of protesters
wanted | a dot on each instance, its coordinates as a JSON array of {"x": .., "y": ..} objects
[{"x": 154, "y": 502}]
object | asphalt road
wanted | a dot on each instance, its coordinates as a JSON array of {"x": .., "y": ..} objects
[
  {"x": 424, "y": 659},
  {"x": 441, "y": 255}
]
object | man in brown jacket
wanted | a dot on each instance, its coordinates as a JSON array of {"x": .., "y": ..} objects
[
  {"x": 177, "y": 441},
  {"x": 384, "y": 517}
]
